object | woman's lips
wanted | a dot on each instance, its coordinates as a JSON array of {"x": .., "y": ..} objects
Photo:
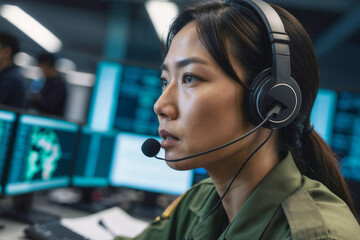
[
  {"x": 167, "y": 143},
  {"x": 169, "y": 140}
]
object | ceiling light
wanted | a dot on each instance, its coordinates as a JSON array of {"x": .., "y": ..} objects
[
  {"x": 32, "y": 72},
  {"x": 24, "y": 59},
  {"x": 80, "y": 78},
  {"x": 31, "y": 27},
  {"x": 161, "y": 14},
  {"x": 65, "y": 65}
]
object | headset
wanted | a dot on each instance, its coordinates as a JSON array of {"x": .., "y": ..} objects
[
  {"x": 274, "y": 98},
  {"x": 273, "y": 85}
]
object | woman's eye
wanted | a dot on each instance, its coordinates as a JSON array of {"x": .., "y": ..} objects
[
  {"x": 188, "y": 78},
  {"x": 164, "y": 82}
]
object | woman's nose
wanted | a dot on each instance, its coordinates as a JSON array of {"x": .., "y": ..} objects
[{"x": 166, "y": 106}]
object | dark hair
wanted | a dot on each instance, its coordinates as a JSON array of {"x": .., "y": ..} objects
[
  {"x": 7, "y": 40},
  {"x": 46, "y": 58},
  {"x": 229, "y": 26}
]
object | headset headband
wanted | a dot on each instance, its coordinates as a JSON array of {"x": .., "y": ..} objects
[
  {"x": 278, "y": 39},
  {"x": 274, "y": 85}
]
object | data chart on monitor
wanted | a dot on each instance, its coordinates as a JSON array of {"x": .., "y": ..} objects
[
  {"x": 139, "y": 89},
  {"x": 346, "y": 136}
]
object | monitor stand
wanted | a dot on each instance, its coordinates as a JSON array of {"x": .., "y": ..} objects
[
  {"x": 23, "y": 212},
  {"x": 91, "y": 201},
  {"x": 147, "y": 208}
]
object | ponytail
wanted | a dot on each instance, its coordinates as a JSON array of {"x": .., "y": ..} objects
[
  {"x": 312, "y": 155},
  {"x": 319, "y": 162},
  {"x": 315, "y": 159}
]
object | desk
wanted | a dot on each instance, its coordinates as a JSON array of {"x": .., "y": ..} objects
[{"x": 15, "y": 230}]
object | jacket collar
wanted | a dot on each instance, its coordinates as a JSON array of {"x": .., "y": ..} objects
[{"x": 258, "y": 210}]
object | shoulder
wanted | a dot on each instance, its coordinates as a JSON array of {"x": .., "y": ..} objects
[
  {"x": 205, "y": 186},
  {"x": 193, "y": 199},
  {"x": 197, "y": 195},
  {"x": 176, "y": 220},
  {"x": 12, "y": 75},
  {"x": 314, "y": 212}
]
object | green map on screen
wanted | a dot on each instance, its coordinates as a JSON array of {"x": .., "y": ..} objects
[{"x": 45, "y": 152}]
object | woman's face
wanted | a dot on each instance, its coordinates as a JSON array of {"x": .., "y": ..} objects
[{"x": 200, "y": 107}]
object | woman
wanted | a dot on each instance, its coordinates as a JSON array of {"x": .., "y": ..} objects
[{"x": 273, "y": 184}]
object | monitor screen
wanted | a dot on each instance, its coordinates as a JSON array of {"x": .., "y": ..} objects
[
  {"x": 346, "y": 138},
  {"x": 104, "y": 97},
  {"x": 93, "y": 158},
  {"x": 132, "y": 169},
  {"x": 7, "y": 121},
  {"x": 123, "y": 98},
  {"x": 42, "y": 154},
  {"x": 139, "y": 89},
  {"x": 323, "y": 113}
]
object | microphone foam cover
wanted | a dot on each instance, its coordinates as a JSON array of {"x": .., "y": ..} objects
[{"x": 150, "y": 147}]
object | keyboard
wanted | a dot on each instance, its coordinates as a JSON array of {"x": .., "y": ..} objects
[{"x": 53, "y": 230}]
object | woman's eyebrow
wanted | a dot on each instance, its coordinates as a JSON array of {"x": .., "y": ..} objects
[{"x": 184, "y": 62}]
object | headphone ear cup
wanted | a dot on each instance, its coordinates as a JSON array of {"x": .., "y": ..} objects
[
  {"x": 265, "y": 95},
  {"x": 256, "y": 86}
]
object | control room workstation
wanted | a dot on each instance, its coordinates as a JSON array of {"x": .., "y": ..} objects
[
  {"x": 42, "y": 154},
  {"x": 103, "y": 104}
]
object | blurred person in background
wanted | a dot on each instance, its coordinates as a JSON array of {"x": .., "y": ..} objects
[
  {"x": 52, "y": 97},
  {"x": 12, "y": 88}
]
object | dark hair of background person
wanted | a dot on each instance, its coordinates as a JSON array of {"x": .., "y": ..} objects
[
  {"x": 46, "y": 58},
  {"x": 7, "y": 40},
  {"x": 229, "y": 26}
]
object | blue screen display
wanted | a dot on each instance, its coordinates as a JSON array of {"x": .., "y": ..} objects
[
  {"x": 346, "y": 137},
  {"x": 42, "y": 155},
  {"x": 7, "y": 121},
  {"x": 123, "y": 98},
  {"x": 323, "y": 113},
  {"x": 94, "y": 157},
  {"x": 139, "y": 89},
  {"x": 105, "y": 94},
  {"x": 132, "y": 169}
]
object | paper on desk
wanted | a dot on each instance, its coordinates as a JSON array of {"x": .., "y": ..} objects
[{"x": 116, "y": 220}]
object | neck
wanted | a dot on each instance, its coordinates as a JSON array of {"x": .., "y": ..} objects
[
  {"x": 254, "y": 171},
  {"x": 51, "y": 74}
]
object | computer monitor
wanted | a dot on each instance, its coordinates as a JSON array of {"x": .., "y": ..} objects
[
  {"x": 346, "y": 140},
  {"x": 42, "y": 154},
  {"x": 139, "y": 89},
  {"x": 93, "y": 158},
  {"x": 7, "y": 122},
  {"x": 323, "y": 113},
  {"x": 42, "y": 157},
  {"x": 132, "y": 169},
  {"x": 123, "y": 98},
  {"x": 104, "y": 97}
]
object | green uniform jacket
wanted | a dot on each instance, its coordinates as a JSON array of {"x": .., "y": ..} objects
[{"x": 285, "y": 205}]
